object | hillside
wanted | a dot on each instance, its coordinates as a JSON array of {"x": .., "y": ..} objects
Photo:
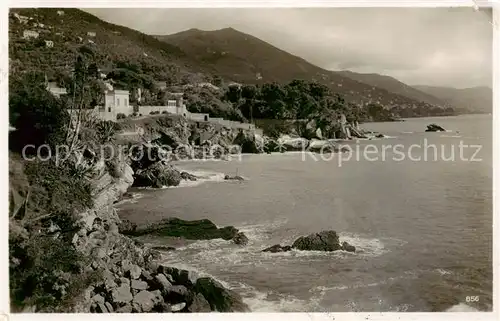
[
  {"x": 113, "y": 46},
  {"x": 137, "y": 60},
  {"x": 243, "y": 58},
  {"x": 394, "y": 86},
  {"x": 476, "y": 99}
]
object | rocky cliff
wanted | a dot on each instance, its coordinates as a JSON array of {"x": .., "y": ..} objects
[{"x": 132, "y": 280}]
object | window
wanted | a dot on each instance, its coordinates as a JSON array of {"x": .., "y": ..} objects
[
  {"x": 109, "y": 109},
  {"x": 126, "y": 102},
  {"x": 117, "y": 101}
]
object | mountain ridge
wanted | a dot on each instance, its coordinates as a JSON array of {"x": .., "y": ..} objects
[{"x": 248, "y": 59}]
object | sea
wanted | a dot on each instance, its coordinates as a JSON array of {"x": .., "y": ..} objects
[{"x": 416, "y": 205}]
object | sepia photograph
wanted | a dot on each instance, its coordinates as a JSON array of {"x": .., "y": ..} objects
[{"x": 197, "y": 160}]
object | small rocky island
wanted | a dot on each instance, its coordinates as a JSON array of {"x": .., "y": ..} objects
[{"x": 327, "y": 241}]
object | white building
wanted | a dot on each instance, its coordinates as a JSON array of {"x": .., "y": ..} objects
[
  {"x": 30, "y": 34},
  {"x": 60, "y": 12},
  {"x": 117, "y": 101},
  {"x": 91, "y": 34},
  {"x": 49, "y": 43}
]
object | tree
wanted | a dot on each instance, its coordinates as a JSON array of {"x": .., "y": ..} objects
[{"x": 39, "y": 117}]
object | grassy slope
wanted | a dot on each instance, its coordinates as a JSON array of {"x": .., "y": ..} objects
[{"x": 393, "y": 85}]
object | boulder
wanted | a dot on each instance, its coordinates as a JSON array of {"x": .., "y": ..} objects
[
  {"x": 101, "y": 308},
  {"x": 133, "y": 271},
  {"x": 434, "y": 128},
  {"x": 277, "y": 248},
  {"x": 121, "y": 295},
  {"x": 248, "y": 142},
  {"x": 220, "y": 298},
  {"x": 127, "y": 308},
  {"x": 163, "y": 248},
  {"x": 233, "y": 178},
  {"x": 178, "y": 307},
  {"x": 146, "y": 276},
  {"x": 178, "y": 276},
  {"x": 98, "y": 299},
  {"x": 138, "y": 285},
  {"x": 322, "y": 146},
  {"x": 125, "y": 281},
  {"x": 293, "y": 144},
  {"x": 348, "y": 247},
  {"x": 240, "y": 239},
  {"x": 144, "y": 301},
  {"x": 323, "y": 241},
  {"x": 157, "y": 175},
  {"x": 162, "y": 281},
  {"x": 192, "y": 230},
  {"x": 176, "y": 294},
  {"x": 109, "y": 307},
  {"x": 199, "y": 304},
  {"x": 145, "y": 155}
]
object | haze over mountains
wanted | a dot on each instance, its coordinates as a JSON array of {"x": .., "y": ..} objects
[{"x": 198, "y": 55}]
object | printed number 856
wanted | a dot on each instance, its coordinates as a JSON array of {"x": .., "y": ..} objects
[{"x": 474, "y": 298}]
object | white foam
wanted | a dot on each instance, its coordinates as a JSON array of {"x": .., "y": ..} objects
[
  {"x": 443, "y": 272},
  {"x": 450, "y": 136},
  {"x": 364, "y": 246},
  {"x": 462, "y": 307},
  {"x": 407, "y": 132}
]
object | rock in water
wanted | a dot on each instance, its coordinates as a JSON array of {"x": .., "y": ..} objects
[
  {"x": 188, "y": 177},
  {"x": 233, "y": 178},
  {"x": 348, "y": 247},
  {"x": 248, "y": 142},
  {"x": 240, "y": 239},
  {"x": 157, "y": 175},
  {"x": 192, "y": 230},
  {"x": 323, "y": 241},
  {"x": 434, "y": 128},
  {"x": 220, "y": 298},
  {"x": 277, "y": 248}
]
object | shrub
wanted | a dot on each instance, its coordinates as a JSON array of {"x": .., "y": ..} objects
[
  {"x": 164, "y": 112},
  {"x": 121, "y": 116},
  {"x": 38, "y": 116},
  {"x": 45, "y": 272},
  {"x": 135, "y": 114},
  {"x": 106, "y": 130}
]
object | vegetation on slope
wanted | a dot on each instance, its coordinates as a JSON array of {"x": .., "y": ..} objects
[{"x": 476, "y": 99}]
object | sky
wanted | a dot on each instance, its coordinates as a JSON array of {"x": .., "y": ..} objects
[{"x": 449, "y": 47}]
